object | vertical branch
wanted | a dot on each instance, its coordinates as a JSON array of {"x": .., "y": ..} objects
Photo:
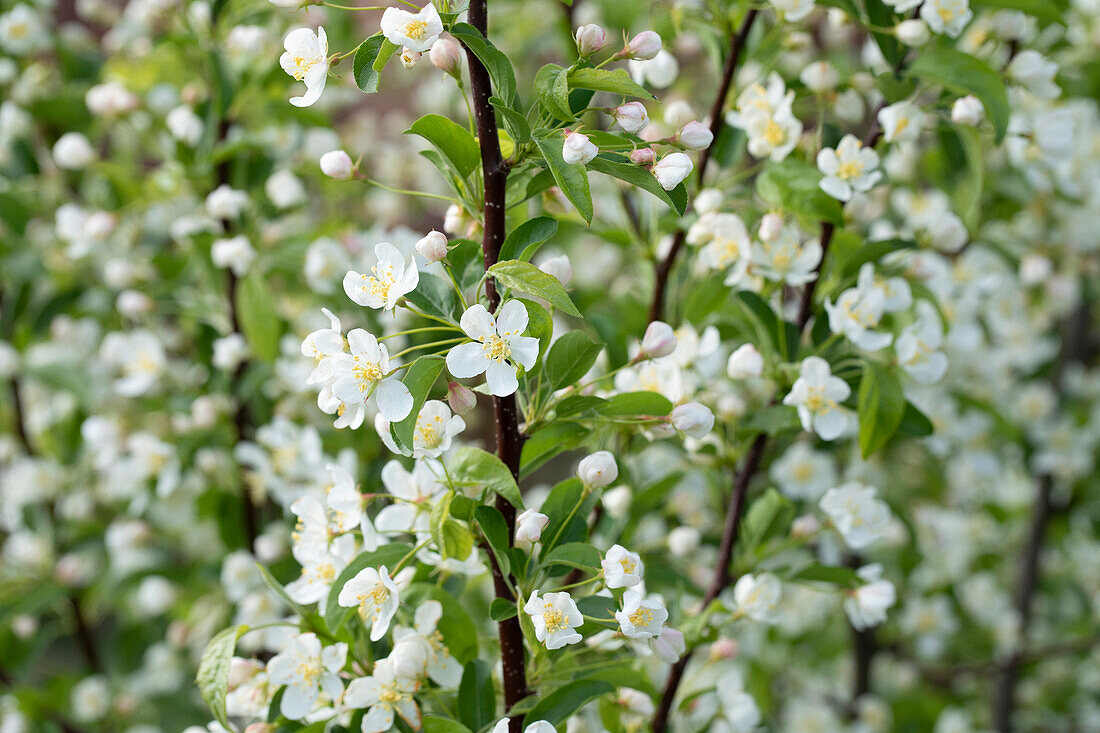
[
  {"x": 509, "y": 441},
  {"x": 1075, "y": 348},
  {"x": 736, "y": 510},
  {"x": 664, "y": 267}
]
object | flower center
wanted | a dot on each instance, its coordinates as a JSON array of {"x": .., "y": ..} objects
[
  {"x": 628, "y": 565},
  {"x": 773, "y": 133},
  {"x": 850, "y": 169},
  {"x": 302, "y": 65},
  {"x": 554, "y": 620},
  {"x": 429, "y": 435},
  {"x": 816, "y": 402},
  {"x": 416, "y": 29},
  {"x": 367, "y": 372},
  {"x": 496, "y": 348},
  {"x": 309, "y": 672},
  {"x": 641, "y": 617},
  {"x": 371, "y": 602}
]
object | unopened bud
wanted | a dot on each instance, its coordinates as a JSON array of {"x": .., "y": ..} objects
[
  {"x": 598, "y": 469},
  {"x": 659, "y": 340},
  {"x": 913, "y": 32},
  {"x": 967, "y": 110},
  {"x": 644, "y": 46},
  {"x": 529, "y": 526},
  {"x": 643, "y": 156},
  {"x": 590, "y": 39},
  {"x": 337, "y": 164},
  {"x": 805, "y": 526},
  {"x": 770, "y": 226},
  {"x": 461, "y": 399},
  {"x": 693, "y": 419},
  {"x": 433, "y": 246},
  {"x": 631, "y": 116},
  {"x": 695, "y": 135},
  {"x": 446, "y": 56},
  {"x": 559, "y": 267},
  {"x": 578, "y": 149},
  {"x": 745, "y": 362}
]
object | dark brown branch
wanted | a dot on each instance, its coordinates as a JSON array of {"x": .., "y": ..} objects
[
  {"x": 1074, "y": 349},
  {"x": 722, "y": 576},
  {"x": 509, "y": 441},
  {"x": 664, "y": 267}
]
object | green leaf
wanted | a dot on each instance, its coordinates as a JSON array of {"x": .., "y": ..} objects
[
  {"x": 882, "y": 16},
  {"x": 477, "y": 706},
  {"x": 617, "y": 166},
  {"x": 915, "y": 423},
  {"x": 572, "y": 178},
  {"x": 872, "y": 252},
  {"x": 782, "y": 335},
  {"x": 569, "y": 359},
  {"x": 256, "y": 315},
  {"x": 474, "y": 467},
  {"x": 969, "y": 187},
  {"x": 437, "y": 724},
  {"x": 525, "y": 239},
  {"x": 605, "y": 80},
  {"x": 530, "y": 279},
  {"x": 501, "y": 609},
  {"x": 629, "y": 404},
  {"x": 549, "y": 441},
  {"x": 514, "y": 122},
  {"x": 1045, "y": 11},
  {"x": 774, "y": 420},
  {"x": 580, "y": 555},
  {"x": 599, "y": 607},
  {"x": 837, "y": 575},
  {"x": 495, "y": 62},
  {"x": 366, "y": 78},
  {"x": 964, "y": 74},
  {"x": 793, "y": 185},
  {"x": 277, "y": 588},
  {"x": 496, "y": 534},
  {"x": 388, "y": 555},
  {"x": 434, "y": 296},
  {"x": 568, "y": 507},
  {"x": 456, "y": 541},
  {"x": 769, "y": 516},
  {"x": 556, "y": 707},
  {"x": 552, "y": 90},
  {"x": 881, "y": 406},
  {"x": 419, "y": 378},
  {"x": 539, "y": 325},
  {"x": 385, "y": 53},
  {"x": 454, "y": 142},
  {"x": 213, "y": 674}
]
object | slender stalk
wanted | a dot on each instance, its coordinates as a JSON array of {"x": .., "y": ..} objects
[
  {"x": 664, "y": 267},
  {"x": 1075, "y": 348},
  {"x": 722, "y": 576},
  {"x": 509, "y": 441}
]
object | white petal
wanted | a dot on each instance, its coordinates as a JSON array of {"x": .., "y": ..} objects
[
  {"x": 395, "y": 402},
  {"x": 501, "y": 379},
  {"x": 467, "y": 360}
]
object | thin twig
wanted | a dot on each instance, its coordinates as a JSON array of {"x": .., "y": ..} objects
[{"x": 664, "y": 267}]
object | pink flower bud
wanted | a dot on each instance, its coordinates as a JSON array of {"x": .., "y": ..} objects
[
  {"x": 669, "y": 646},
  {"x": 770, "y": 226},
  {"x": 433, "y": 246},
  {"x": 590, "y": 39},
  {"x": 631, "y": 116},
  {"x": 643, "y": 156},
  {"x": 461, "y": 399},
  {"x": 644, "y": 46},
  {"x": 446, "y": 56},
  {"x": 695, "y": 135},
  {"x": 659, "y": 340}
]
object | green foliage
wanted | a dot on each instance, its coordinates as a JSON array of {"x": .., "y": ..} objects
[
  {"x": 963, "y": 73},
  {"x": 213, "y": 675},
  {"x": 526, "y": 277}
]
